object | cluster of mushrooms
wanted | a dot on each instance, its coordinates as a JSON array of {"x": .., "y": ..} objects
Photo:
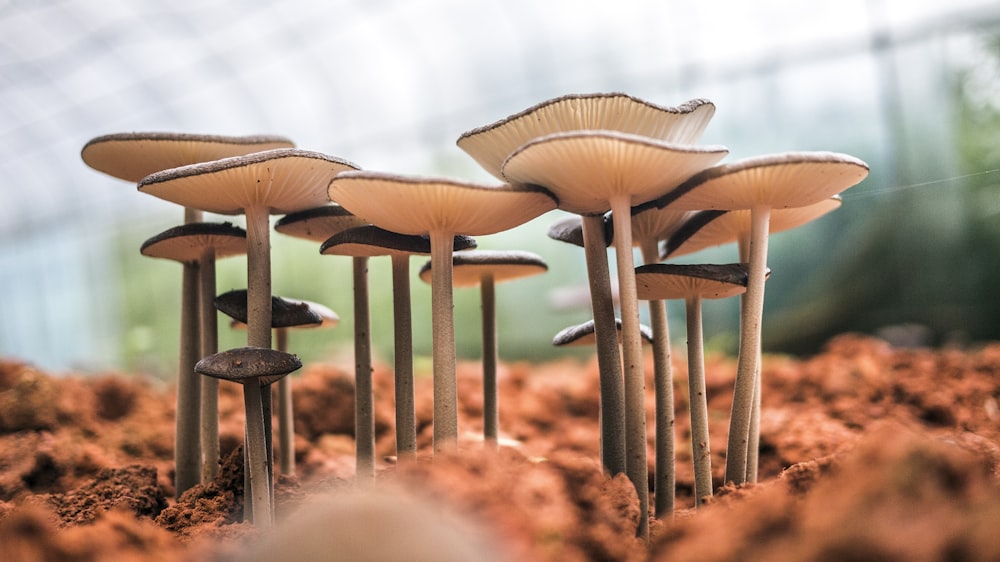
[{"x": 630, "y": 173}]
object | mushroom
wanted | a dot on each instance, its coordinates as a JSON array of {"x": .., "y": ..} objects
[
  {"x": 286, "y": 314},
  {"x": 439, "y": 208},
  {"x": 280, "y": 181},
  {"x": 713, "y": 228},
  {"x": 254, "y": 368},
  {"x": 584, "y": 334},
  {"x": 693, "y": 283},
  {"x": 363, "y": 242},
  {"x": 485, "y": 268},
  {"x": 592, "y": 233},
  {"x": 649, "y": 225},
  {"x": 592, "y": 172},
  {"x": 132, "y": 156},
  {"x": 201, "y": 244},
  {"x": 760, "y": 184}
]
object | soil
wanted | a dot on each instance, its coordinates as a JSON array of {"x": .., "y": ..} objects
[{"x": 868, "y": 452}]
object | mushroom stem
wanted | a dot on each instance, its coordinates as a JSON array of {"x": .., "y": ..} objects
[
  {"x": 256, "y": 456},
  {"x": 209, "y": 385},
  {"x": 663, "y": 382},
  {"x": 286, "y": 419},
  {"x": 701, "y": 452},
  {"x": 635, "y": 400},
  {"x": 187, "y": 446},
  {"x": 753, "y": 441},
  {"x": 491, "y": 411},
  {"x": 406, "y": 431},
  {"x": 443, "y": 320},
  {"x": 612, "y": 409},
  {"x": 364, "y": 416},
  {"x": 749, "y": 351}
]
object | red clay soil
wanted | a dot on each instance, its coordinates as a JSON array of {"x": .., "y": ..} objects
[{"x": 867, "y": 453}]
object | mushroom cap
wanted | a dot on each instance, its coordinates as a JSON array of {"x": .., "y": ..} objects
[
  {"x": 415, "y": 205},
  {"x": 133, "y": 156},
  {"x": 285, "y": 312},
  {"x": 586, "y": 169},
  {"x": 282, "y": 180},
  {"x": 248, "y": 364},
  {"x": 706, "y": 229},
  {"x": 187, "y": 242},
  {"x": 583, "y": 334},
  {"x": 490, "y": 145},
  {"x": 650, "y": 222},
  {"x": 318, "y": 223},
  {"x": 666, "y": 281},
  {"x": 570, "y": 231},
  {"x": 790, "y": 179},
  {"x": 371, "y": 241},
  {"x": 469, "y": 268}
]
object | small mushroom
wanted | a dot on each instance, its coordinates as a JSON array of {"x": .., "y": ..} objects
[
  {"x": 197, "y": 429},
  {"x": 363, "y": 242},
  {"x": 584, "y": 334},
  {"x": 692, "y": 283},
  {"x": 255, "y": 368},
  {"x": 286, "y": 314},
  {"x": 439, "y": 208},
  {"x": 760, "y": 184},
  {"x": 485, "y": 268}
]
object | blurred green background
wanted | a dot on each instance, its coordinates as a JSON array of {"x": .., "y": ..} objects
[{"x": 910, "y": 87}]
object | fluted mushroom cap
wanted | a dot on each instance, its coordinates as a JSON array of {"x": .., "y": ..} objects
[
  {"x": 248, "y": 364},
  {"x": 283, "y": 181},
  {"x": 318, "y": 223},
  {"x": 587, "y": 169},
  {"x": 420, "y": 205},
  {"x": 371, "y": 241},
  {"x": 285, "y": 312},
  {"x": 187, "y": 242},
  {"x": 664, "y": 281},
  {"x": 490, "y": 145},
  {"x": 133, "y": 156},
  {"x": 469, "y": 268},
  {"x": 583, "y": 334}
]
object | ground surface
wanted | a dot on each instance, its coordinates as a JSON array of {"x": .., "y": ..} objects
[{"x": 868, "y": 452}]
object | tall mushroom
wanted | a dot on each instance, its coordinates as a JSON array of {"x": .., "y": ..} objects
[
  {"x": 363, "y": 242},
  {"x": 254, "y": 368},
  {"x": 692, "y": 283},
  {"x": 760, "y": 184},
  {"x": 713, "y": 228},
  {"x": 439, "y": 208},
  {"x": 132, "y": 156},
  {"x": 486, "y": 268},
  {"x": 202, "y": 244},
  {"x": 592, "y": 172},
  {"x": 274, "y": 181}
]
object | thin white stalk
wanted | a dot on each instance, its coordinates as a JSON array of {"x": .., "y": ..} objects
[
  {"x": 209, "y": 385},
  {"x": 753, "y": 440},
  {"x": 663, "y": 382},
  {"x": 364, "y": 400},
  {"x": 635, "y": 384},
  {"x": 491, "y": 408},
  {"x": 187, "y": 446},
  {"x": 701, "y": 451},
  {"x": 406, "y": 432},
  {"x": 258, "y": 335},
  {"x": 443, "y": 337},
  {"x": 749, "y": 352},
  {"x": 609, "y": 363},
  {"x": 286, "y": 415},
  {"x": 259, "y": 495}
]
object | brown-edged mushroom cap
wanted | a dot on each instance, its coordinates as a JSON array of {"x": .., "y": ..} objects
[
  {"x": 502, "y": 265},
  {"x": 282, "y": 181},
  {"x": 246, "y": 364},
  {"x": 319, "y": 223},
  {"x": 586, "y": 169},
  {"x": 421, "y": 205},
  {"x": 371, "y": 241},
  {"x": 133, "y": 156},
  {"x": 285, "y": 312},
  {"x": 570, "y": 231},
  {"x": 583, "y": 334},
  {"x": 705, "y": 229},
  {"x": 186, "y": 243},
  {"x": 790, "y": 179},
  {"x": 490, "y": 145},
  {"x": 663, "y": 281}
]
